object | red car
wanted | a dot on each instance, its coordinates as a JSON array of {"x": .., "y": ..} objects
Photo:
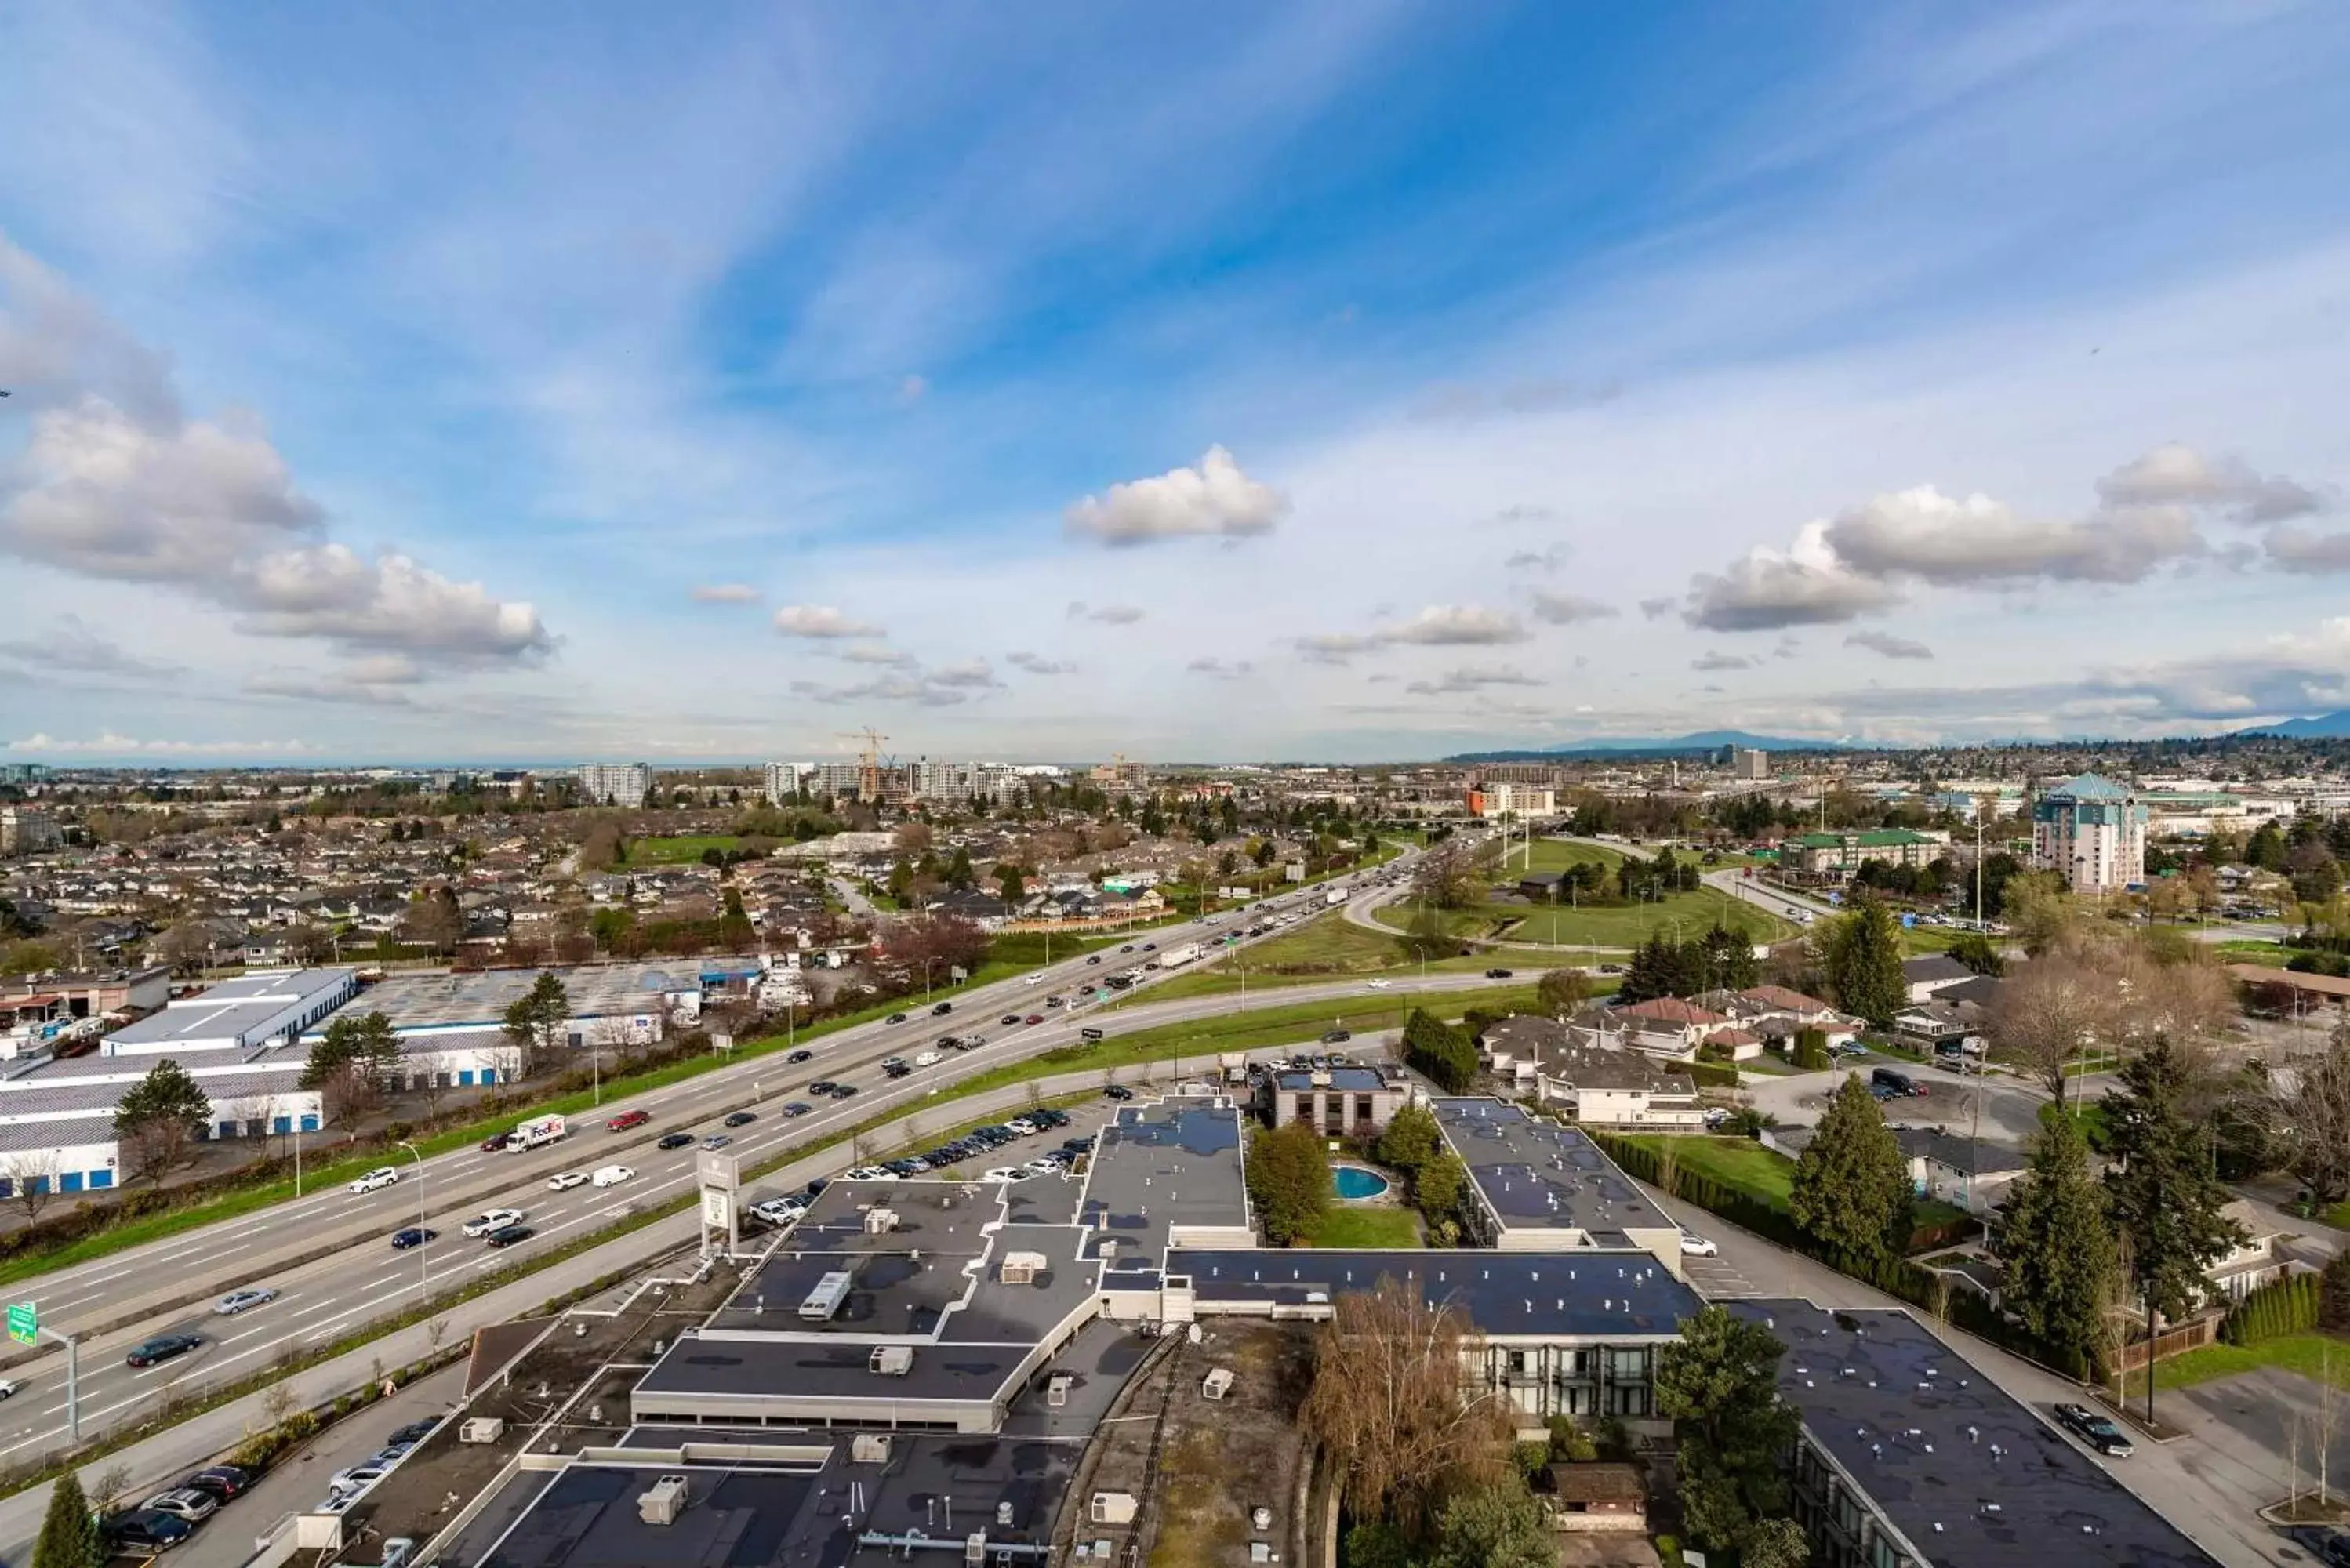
[{"x": 628, "y": 1119}]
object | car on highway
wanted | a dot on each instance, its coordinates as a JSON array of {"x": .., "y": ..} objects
[
  {"x": 382, "y": 1176},
  {"x": 942, "y": 1009},
  {"x": 716, "y": 1141},
  {"x": 227, "y": 1482},
  {"x": 741, "y": 1118},
  {"x": 1117, "y": 1092},
  {"x": 612, "y": 1174},
  {"x": 1150, "y": 947},
  {"x": 1127, "y": 948},
  {"x": 1033, "y": 1018},
  {"x": 895, "y": 1018},
  {"x": 797, "y": 1108},
  {"x": 1378, "y": 984},
  {"x": 413, "y": 1236},
  {"x": 1695, "y": 1246},
  {"x": 1092, "y": 957},
  {"x": 1009, "y": 1019},
  {"x": 799, "y": 1056},
  {"x": 925, "y": 1058},
  {"x": 495, "y": 1219},
  {"x": 842, "y": 1091},
  {"x": 628, "y": 1119},
  {"x": 674, "y": 1140},
  {"x": 2095, "y": 1429},
  {"x": 1032, "y": 978},
  {"x": 184, "y": 1503},
  {"x": 1497, "y": 974},
  {"x": 141, "y": 1533},
  {"x": 244, "y": 1300},
  {"x": 161, "y": 1348},
  {"x": 496, "y": 1141},
  {"x": 8, "y": 1387},
  {"x": 507, "y": 1235},
  {"x": 565, "y": 1181}
]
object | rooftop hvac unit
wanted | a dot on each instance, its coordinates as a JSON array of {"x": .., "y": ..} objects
[
  {"x": 826, "y": 1298},
  {"x": 1056, "y": 1390},
  {"x": 1022, "y": 1268},
  {"x": 881, "y": 1221},
  {"x": 482, "y": 1430},
  {"x": 892, "y": 1360},
  {"x": 869, "y": 1448},
  {"x": 661, "y": 1502},
  {"x": 1112, "y": 1508},
  {"x": 974, "y": 1549},
  {"x": 1217, "y": 1384}
]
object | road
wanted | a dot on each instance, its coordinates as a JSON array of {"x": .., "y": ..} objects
[{"x": 327, "y": 1254}]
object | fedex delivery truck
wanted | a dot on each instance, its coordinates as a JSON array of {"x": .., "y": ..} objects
[{"x": 537, "y": 1132}]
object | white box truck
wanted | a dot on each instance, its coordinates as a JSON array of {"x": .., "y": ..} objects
[
  {"x": 536, "y": 1133},
  {"x": 1176, "y": 957}
]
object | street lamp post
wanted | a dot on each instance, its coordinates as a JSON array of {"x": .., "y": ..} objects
[{"x": 423, "y": 1253}]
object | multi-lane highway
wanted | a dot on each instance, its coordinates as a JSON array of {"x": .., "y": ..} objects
[{"x": 328, "y": 1255}]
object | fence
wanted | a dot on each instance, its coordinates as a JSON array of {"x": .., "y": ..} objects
[{"x": 2193, "y": 1334}]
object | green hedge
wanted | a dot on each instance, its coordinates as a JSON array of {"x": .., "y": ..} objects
[
  {"x": 1710, "y": 1074},
  {"x": 2284, "y": 1306}
]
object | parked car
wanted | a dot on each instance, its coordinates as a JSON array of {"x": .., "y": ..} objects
[
  {"x": 413, "y": 1236},
  {"x": 356, "y": 1479},
  {"x": 414, "y": 1432},
  {"x": 1116, "y": 1092},
  {"x": 160, "y": 1349},
  {"x": 1693, "y": 1246},
  {"x": 226, "y": 1483},
  {"x": 382, "y": 1176},
  {"x": 495, "y": 1219},
  {"x": 612, "y": 1174},
  {"x": 1337, "y": 1035},
  {"x": 565, "y": 1181},
  {"x": 143, "y": 1532},
  {"x": 741, "y": 1118},
  {"x": 674, "y": 1140},
  {"x": 628, "y": 1119},
  {"x": 244, "y": 1300},
  {"x": 2095, "y": 1429},
  {"x": 184, "y": 1503},
  {"x": 507, "y": 1235},
  {"x": 2329, "y": 1543}
]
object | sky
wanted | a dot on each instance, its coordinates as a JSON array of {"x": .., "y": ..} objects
[{"x": 1347, "y": 381}]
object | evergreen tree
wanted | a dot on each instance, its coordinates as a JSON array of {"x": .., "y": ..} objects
[
  {"x": 1650, "y": 973},
  {"x": 69, "y": 1535},
  {"x": 1442, "y": 1053},
  {"x": 2165, "y": 1199},
  {"x": 1729, "y": 961},
  {"x": 1496, "y": 1526},
  {"x": 367, "y": 1040},
  {"x": 1863, "y": 962},
  {"x": 1411, "y": 1140},
  {"x": 1719, "y": 1385},
  {"x": 159, "y": 1116},
  {"x": 1289, "y": 1180},
  {"x": 536, "y": 1022},
  {"x": 959, "y": 875},
  {"x": 2058, "y": 1245},
  {"x": 1851, "y": 1189}
]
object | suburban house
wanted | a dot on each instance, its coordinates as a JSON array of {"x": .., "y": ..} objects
[
  {"x": 1934, "y": 974},
  {"x": 1600, "y": 1086},
  {"x": 1665, "y": 1027},
  {"x": 1774, "y": 1012},
  {"x": 1972, "y": 1174},
  {"x": 2261, "y": 1260},
  {"x": 1600, "y": 1495}
]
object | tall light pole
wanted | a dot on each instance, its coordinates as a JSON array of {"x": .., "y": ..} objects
[{"x": 423, "y": 1253}]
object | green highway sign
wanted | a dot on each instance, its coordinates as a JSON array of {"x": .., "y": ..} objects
[{"x": 24, "y": 1321}]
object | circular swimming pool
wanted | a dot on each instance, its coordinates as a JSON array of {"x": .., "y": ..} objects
[{"x": 1356, "y": 1184}]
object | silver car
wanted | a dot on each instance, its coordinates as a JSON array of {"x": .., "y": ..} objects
[{"x": 237, "y": 1301}]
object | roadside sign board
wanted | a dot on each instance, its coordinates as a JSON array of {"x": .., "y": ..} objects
[{"x": 24, "y": 1321}]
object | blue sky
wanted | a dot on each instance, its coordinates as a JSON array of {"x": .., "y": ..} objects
[{"x": 1348, "y": 382}]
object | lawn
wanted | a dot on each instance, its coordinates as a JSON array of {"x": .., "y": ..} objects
[
  {"x": 679, "y": 850},
  {"x": 2320, "y": 1357},
  {"x": 1331, "y": 947},
  {"x": 1739, "y": 1161},
  {"x": 1349, "y": 1229},
  {"x": 1620, "y": 928}
]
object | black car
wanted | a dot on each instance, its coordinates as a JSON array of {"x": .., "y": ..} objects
[
  {"x": 895, "y": 1018},
  {"x": 2329, "y": 1543},
  {"x": 160, "y": 1348},
  {"x": 2096, "y": 1430},
  {"x": 797, "y": 1108},
  {"x": 226, "y": 1481},
  {"x": 822, "y": 1087},
  {"x": 1117, "y": 1092},
  {"x": 414, "y": 1433},
  {"x": 1009, "y": 1019},
  {"x": 797, "y": 1056},
  {"x": 507, "y": 1235},
  {"x": 842, "y": 1091},
  {"x": 674, "y": 1140},
  {"x": 1095, "y": 958},
  {"x": 1497, "y": 974},
  {"x": 942, "y": 1009},
  {"x": 1335, "y": 1035},
  {"x": 742, "y": 1119},
  {"x": 895, "y": 1069},
  {"x": 144, "y": 1532},
  {"x": 414, "y": 1236}
]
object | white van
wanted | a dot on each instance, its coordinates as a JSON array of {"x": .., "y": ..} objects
[{"x": 611, "y": 1174}]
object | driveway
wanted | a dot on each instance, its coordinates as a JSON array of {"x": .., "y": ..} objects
[{"x": 2241, "y": 1430}]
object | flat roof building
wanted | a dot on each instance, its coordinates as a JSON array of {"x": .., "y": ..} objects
[
  {"x": 240, "y": 1014},
  {"x": 1541, "y": 1187}
]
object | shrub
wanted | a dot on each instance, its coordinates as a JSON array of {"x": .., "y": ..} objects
[
  {"x": 2289, "y": 1306},
  {"x": 2333, "y": 1294}
]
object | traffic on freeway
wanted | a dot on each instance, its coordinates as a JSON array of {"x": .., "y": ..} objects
[{"x": 396, "y": 1242}]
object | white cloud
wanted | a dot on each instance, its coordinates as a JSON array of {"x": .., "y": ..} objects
[
  {"x": 887, "y": 689},
  {"x": 74, "y": 646},
  {"x": 1107, "y": 615},
  {"x": 821, "y": 621},
  {"x": 1550, "y": 558},
  {"x": 1440, "y": 626},
  {"x": 1471, "y": 678},
  {"x": 912, "y": 391},
  {"x": 1803, "y": 585},
  {"x": 1886, "y": 643},
  {"x": 1334, "y": 647},
  {"x": 1036, "y": 664},
  {"x": 877, "y": 653},
  {"x": 1214, "y": 498},
  {"x": 111, "y": 745},
  {"x": 1220, "y": 670},
  {"x": 2177, "y": 474},
  {"x": 725, "y": 594},
  {"x": 1718, "y": 661},
  {"x": 327, "y": 591},
  {"x": 1570, "y": 609},
  {"x": 2300, "y": 550},
  {"x": 969, "y": 674},
  {"x": 1922, "y": 532}
]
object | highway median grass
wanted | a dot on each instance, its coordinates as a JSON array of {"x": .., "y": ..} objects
[
  {"x": 1619, "y": 927},
  {"x": 1331, "y": 947}
]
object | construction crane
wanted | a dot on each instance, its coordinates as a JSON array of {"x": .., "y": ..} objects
[{"x": 869, "y": 773}]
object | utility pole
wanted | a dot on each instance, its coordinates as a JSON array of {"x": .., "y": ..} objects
[{"x": 423, "y": 1253}]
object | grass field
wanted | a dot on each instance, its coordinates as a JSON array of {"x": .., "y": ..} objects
[
  {"x": 1331, "y": 947},
  {"x": 2320, "y": 1357},
  {"x": 1621, "y": 929},
  {"x": 1747, "y": 1165},
  {"x": 1344, "y": 1228},
  {"x": 679, "y": 850}
]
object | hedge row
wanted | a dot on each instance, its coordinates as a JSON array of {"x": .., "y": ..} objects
[
  {"x": 1897, "y": 1277},
  {"x": 2283, "y": 1306}
]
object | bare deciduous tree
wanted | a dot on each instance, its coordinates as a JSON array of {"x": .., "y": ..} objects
[
  {"x": 2317, "y": 1105},
  {"x": 1392, "y": 1403},
  {"x": 2051, "y": 1011},
  {"x": 32, "y": 1176}
]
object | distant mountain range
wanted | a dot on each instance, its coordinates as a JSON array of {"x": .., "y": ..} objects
[
  {"x": 1663, "y": 745},
  {"x": 2325, "y": 727}
]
